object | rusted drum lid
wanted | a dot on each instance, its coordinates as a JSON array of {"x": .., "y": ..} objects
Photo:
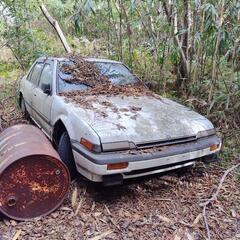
[{"x": 33, "y": 186}]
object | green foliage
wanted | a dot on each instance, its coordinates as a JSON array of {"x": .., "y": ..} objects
[
  {"x": 2, "y": 27},
  {"x": 9, "y": 71},
  {"x": 231, "y": 151}
]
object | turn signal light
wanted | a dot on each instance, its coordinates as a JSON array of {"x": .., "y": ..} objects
[
  {"x": 86, "y": 144},
  {"x": 213, "y": 147},
  {"x": 115, "y": 166}
]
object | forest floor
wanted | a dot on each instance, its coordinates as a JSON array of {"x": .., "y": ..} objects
[{"x": 161, "y": 207}]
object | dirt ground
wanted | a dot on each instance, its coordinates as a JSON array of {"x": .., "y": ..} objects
[{"x": 162, "y": 207}]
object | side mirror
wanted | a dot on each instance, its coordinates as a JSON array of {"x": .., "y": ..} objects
[{"x": 46, "y": 88}]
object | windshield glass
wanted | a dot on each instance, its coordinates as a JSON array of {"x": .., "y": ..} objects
[{"x": 117, "y": 73}]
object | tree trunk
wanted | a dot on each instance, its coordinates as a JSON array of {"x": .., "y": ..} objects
[
  {"x": 129, "y": 33},
  {"x": 172, "y": 18},
  {"x": 120, "y": 31},
  {"x": 109, "y": 25},
  {"x": 184, "y": 70},
  {"x": 197, "y": 58},
  {"x": 215, "y": 56}
]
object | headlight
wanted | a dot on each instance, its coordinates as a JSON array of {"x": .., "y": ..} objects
[
  {"x": 206, "y": 133},
  {"x": 90, "y": 146},
  {"x": 117, "y": 146}
]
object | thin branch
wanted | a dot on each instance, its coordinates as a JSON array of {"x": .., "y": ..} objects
[
  {"x": 4, "y": 45},
  {"x": 16, "y": 56},
  {"x": 214, "y": 197}
]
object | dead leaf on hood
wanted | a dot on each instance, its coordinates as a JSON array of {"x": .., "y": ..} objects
[{"x": 120, "y": 127}]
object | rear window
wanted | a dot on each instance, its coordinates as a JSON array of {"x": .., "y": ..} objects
[
  {"x": 46, "y": 76},
  {"x": 35, "y": 73}
]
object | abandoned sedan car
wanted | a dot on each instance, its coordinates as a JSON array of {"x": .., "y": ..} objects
[{"x": 107, "y": 125}]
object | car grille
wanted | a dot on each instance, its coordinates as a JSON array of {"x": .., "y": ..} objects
[{"x": 166, "y": 142}]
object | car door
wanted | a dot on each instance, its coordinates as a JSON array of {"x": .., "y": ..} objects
[
  {"x": 30, "y": 84},
  {"x": 43, "y": 98}
]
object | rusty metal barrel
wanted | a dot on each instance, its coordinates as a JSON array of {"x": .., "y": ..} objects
[{"x": 33, "y": 179}]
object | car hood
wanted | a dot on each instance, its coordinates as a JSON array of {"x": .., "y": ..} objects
[{"x": 139, "y": 119}]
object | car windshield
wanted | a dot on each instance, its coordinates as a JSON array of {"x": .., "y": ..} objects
[{"x": 117, "y": 73}]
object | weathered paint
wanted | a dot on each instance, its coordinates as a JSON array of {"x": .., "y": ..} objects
[{"x": 157, "y": 119}]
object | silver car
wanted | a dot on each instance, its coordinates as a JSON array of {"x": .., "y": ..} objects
[{"x": 152, "y": 135}]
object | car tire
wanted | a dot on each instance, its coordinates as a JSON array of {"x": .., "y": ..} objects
[
  {"x": 23, "y": 107},
  {"x": 66, "y": 154},
  {"x": 210, "y": 158}
]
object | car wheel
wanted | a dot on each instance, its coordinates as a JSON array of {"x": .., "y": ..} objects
[
  {"x": 210, "y": 158},
  {"x": 23, "y": 107},
  {"x": 66, "y": 154}
]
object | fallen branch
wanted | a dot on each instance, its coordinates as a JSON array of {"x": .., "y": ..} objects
[
  {"x": 214, "y": 197},
  {"x": 56, "y": 26}
]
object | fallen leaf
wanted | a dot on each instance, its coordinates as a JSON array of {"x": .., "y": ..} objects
[
  {"x": 65, "y": 209},
  {"x": 13, "y": 223},
  {"x": 108, "y": 211},
  {"x": 197, "y": 219},
  {"x": 101, "y": 236},
  {"x": 176, "y": 237},
  {"x": 233, "y": 212},
  {"x": 93, "y": 206},
  {"x": 97, "y": 214},
  {"x": 165, "y": 219},
  {"x": 74, "y": 197},
  {"x": 78, "y": 207}
]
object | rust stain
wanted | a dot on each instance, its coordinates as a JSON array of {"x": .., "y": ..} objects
[
  {"x": 29, "y": 186},
  {"x": 35, "y": 186}
]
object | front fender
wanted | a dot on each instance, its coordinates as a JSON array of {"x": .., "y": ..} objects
[{"x": 76, "y": 127}]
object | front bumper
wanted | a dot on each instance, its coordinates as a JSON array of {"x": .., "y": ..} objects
[{"x": 94, "y": 166}]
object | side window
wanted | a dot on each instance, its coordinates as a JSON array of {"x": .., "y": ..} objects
[
  {"x": 46, "y": 76},
  {"x": 35, "y": 73}
]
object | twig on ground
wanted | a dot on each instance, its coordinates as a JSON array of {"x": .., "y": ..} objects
[
  {"x": 17, "y": 234},
  {"x": 214, "y": 197}
]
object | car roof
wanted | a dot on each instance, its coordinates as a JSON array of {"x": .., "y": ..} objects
[{"x": 102, "y": 60}]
